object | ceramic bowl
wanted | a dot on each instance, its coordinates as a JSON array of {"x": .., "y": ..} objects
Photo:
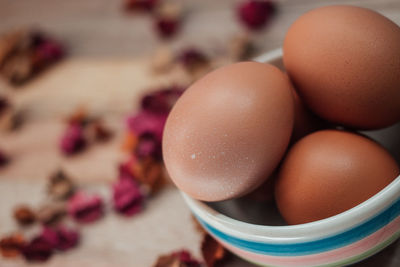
[{"x": 340, "y": 240}]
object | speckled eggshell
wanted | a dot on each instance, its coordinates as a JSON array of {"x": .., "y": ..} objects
[
  {"x": 329, "y": 172},
  {"x": 345, "y": 63},
  {"x": 228, "y": 131}
]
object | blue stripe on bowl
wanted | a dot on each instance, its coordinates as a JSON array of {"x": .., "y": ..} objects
[{"x": 305, "y": 248}]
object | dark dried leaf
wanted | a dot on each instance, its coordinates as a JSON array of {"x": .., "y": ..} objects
[
  {"x": 24, "y": 215},
  {"x": 60, "y": 186},
  {"x": 10, "y": 246}
]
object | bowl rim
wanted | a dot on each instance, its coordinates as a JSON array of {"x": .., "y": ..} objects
[{"x": 300, "y": 232}]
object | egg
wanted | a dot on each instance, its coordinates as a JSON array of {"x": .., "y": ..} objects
[
  {"x": 345, "y": 63},
  {"x": 329, "y": 172},
  {"x": 228, "y": 131}
]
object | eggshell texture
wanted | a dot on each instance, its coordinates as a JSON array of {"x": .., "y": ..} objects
[
  {"x": 228, "y": 131},
  {"x": 345, "y": 63},
  {"x": 331, "y": 171}
]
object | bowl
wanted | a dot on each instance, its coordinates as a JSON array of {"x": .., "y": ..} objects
[{"x": 340, "y": 240}]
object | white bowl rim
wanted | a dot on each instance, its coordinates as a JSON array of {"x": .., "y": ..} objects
[{"x": 301, "y": 232}]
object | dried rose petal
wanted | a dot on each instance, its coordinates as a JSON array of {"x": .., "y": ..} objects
[
  {"x": 149, "y": 172},
  {"x": 24, "y": 215},
  {"x": 167, "y": 26},
  {"x": 79, "y": 117},
  {"x": 256, "y": 13},
  {"x": 211, "y": 250},
  {"x": 60, "y": 186},
  {"x": 8, "y": 44},
  {"x": 51, "y": 213},
  {"x": 27, "y": 53},
  {"x": 147, "y": 122},
  {"x": 140, "y": 5},
  {"x": 4, "y": 160},
  {"x": 73, "y": 140},
  {"x": 127, "y": 197},
  {"x": 4, "y": 105},
  {"x": 148, "y": 146},
  {"x": 60, "y": 238},
  {"x": 193, "y": 60},
  {"x": 10, "y": 246},
  {"x": 161, "y": 101},
  {"x": 98, "y": 132},
  {"x": 129, "y": 142},
  {"x": 85, "y": 208},
  {"x": 49, "y": 51},
  {"x": 37, "y": 250},
  {"x": 18, "y": 69},
  {"x": 177, "y": 259}
]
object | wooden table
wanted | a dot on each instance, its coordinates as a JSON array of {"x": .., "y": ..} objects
[{"x": 108, "y": 68}]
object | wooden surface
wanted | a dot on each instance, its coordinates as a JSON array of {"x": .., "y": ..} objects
[{"x": 108, "y": 69}]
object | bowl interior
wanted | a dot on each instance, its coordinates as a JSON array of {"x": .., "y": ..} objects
[{"x": 266, "y": 213}]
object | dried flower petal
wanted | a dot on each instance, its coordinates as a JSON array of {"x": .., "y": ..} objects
[
  {"x": 127, "y": 197},
  {"x": 177, "y": 259},
  {"x": 8, "y": 44},
  {"x": 17, "y": 69},
  {"x": 211, "y": 250},
  {"x": 255, "y": 13},
  {"x": 25, "y": 53},
  {"x": 85, "y": 208},
  {"x": 129, "y": 142},
  {"x": 161, "y": 101},
  {"x": 79, "y": 117},
  {"x": 98, "y": 132},
  {"x": 4, "y": 105},
  {"x": 148, "y": 146},
  {"x": 10, "y": 246},
  {"x": 149, "y": 172},
  {"x": 37, "y": 250},
  {"x": 193, "y": 60},
  {"x": 140, "y": 5},
  {"x": 147, "y": 122},
  {"x": 24, "y": 215},
  {"x": 51, "y": 213},
  {"x": 73, "y": 140},
  {"x": 60, "y": 186},
  {"x": 60, "y": 238},
  {"x": 4, "y": 160},
  {"x": 167, "y": 26},
  {"x": 48, "y": 51}
]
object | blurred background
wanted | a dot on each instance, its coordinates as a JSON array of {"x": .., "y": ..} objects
[{"x": 80, "y": 82}]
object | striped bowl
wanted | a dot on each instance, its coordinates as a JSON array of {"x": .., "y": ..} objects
[{"x": 340, "y": 240}]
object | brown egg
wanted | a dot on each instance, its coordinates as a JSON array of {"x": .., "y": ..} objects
[
  {"x": 331, "y": 171},
  {"x": 345, "y": 63},
  {"x": 228, "y": 131}
]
